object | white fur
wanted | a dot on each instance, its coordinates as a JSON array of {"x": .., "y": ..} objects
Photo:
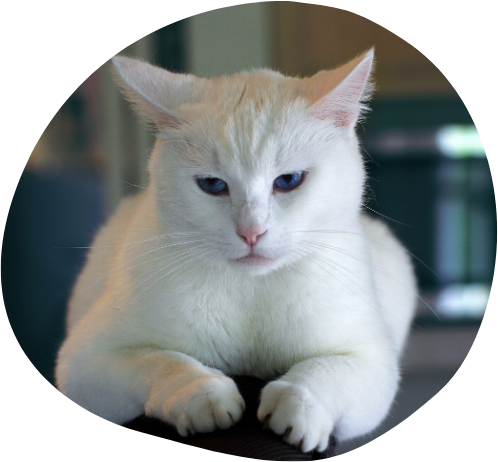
[{"x": 163, "y": 312}]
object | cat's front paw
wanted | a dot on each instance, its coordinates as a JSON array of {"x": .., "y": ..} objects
[
  {"x": 202, "y": 406},
  {"x": 292, "y": 411}
]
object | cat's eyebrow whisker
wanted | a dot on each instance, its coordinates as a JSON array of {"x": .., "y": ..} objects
[
  {"x": 184, "y": 141},
  {"x": 131, "y": 184},
  {"x": 384, "y": 216},
  {"x": 374, "y": 197},
  {"x": 380, "y": 270}
]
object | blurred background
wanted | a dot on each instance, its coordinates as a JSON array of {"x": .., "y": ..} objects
[{"x": 427, "y": 172}]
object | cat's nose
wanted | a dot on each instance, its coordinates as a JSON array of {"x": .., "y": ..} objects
[{"x": 251, "y": 235}]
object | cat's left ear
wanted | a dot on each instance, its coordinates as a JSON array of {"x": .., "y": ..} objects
[
  {"x": 340, "y": 95},
  {"x": 155, "y": 92}
]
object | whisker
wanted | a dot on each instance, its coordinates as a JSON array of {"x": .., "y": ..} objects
[
  {"x": 131, "y": 184},
  {"x": 372, "y": 193},
  {"x": 392, "y": 313},
  {"x": 188, "y": 253},
  {"x": 165, "y": 235},
  {"x": 113, "y": 270},
  {"x": 110, "y": 246},
  {"x": 161, "y": 258},
  {"x": 385, "y": 216},
  {"x": 380, "y": 270},
  {"x": 306, "y": 254},
  {"x": 116, "y": 177},
  {"x": 185, "y": 259},
  {"x": 380, "y": 244},
  {"x": 157, "y": 249},
  {"x": 313, "y": 256},
  {"x": 194, "y": 258},
  {"x": 336, "y": 265}
]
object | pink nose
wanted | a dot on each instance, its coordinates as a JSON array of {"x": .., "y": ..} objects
[{"x": 251, "y": 236}]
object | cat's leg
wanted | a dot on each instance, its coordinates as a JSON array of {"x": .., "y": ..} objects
[
  {"x": 347, "y": 394},
  {"x": 122, "y": 384}
]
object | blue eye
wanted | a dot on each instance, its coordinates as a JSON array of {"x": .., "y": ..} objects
[
  {"x": 289, "y": 181},
  {"x": 212, "y": 186}
]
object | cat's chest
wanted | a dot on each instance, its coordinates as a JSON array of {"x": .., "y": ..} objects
[
  {"x": 250, "y": 338},
  {"x": 241, "y": 329}
]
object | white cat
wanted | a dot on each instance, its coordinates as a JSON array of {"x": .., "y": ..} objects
[{"x": 248, "y": 253}]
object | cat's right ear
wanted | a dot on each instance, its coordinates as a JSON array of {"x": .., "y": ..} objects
[
  {"x": 340, "y": 95},
  {"x": 154, "y": 92}
]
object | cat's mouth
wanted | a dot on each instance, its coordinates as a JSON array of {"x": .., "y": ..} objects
[{"x": 253, "y": 259}]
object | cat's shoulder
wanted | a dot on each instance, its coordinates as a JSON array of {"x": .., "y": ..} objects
[
  {"x": 385, "y": 246},
  {"x": 116, "y": 229},
  {"x": 125, "y": 213},
  {"x": 129, "y": 205},
  {"x": 381, "y": 238},
  {"x": 375, "y": 227}
]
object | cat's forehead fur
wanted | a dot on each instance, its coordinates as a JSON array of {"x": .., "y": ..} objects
[
  {"x": 248, "y": 121},
  {"x": 258, "y": 86}
]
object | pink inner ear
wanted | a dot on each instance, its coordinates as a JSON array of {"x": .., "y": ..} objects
[
  {"x": 166, "y": 120},
  {"x": 339, "y": 113},
  {"x": 152, "y": 90},
  {"x": 342, "y": 105}
]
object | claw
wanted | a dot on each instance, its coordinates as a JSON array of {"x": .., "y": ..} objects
[
  {"x": 287, "y": 432},
  {"x": 266, "y": 421}
]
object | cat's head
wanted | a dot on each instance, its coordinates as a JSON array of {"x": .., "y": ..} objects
[{"x": 247, "y": 164}]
